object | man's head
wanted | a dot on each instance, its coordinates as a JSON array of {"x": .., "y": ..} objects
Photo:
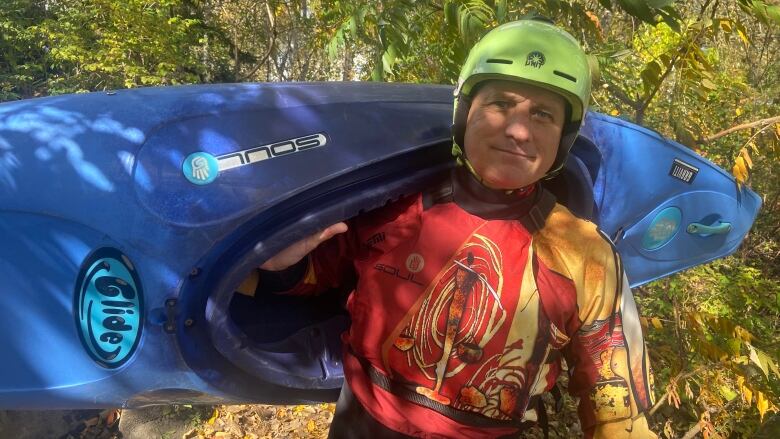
[
  {"x": 512, "y": 134},
  {"x": 536, "y": 62}
]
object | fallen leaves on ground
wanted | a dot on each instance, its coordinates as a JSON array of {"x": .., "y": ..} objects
[
  {"x": 265, "y": 421},
  {"x": 103, "y": 425}
]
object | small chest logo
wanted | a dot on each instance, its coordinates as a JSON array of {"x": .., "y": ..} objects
[
  {"x": 415, "y": 263},
  {"x": 108, "y": 307},
  {"x": 535, "y": 59},
  {"x": 375, "y": 239}
]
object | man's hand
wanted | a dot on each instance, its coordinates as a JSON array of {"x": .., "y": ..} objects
[{"x": 294, "y": 253}]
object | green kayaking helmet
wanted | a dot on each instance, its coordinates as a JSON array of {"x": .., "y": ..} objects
[{"x": 530, "y": 51}]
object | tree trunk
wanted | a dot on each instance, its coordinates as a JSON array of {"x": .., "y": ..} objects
[{"x": 347, "y": 64}]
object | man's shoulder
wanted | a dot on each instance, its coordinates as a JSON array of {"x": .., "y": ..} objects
[
  {"x": 569, "y": 243},
  {"x": 564, "y": 228}
]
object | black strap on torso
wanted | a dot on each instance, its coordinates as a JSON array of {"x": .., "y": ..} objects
[{"x": 407, "y": 391}]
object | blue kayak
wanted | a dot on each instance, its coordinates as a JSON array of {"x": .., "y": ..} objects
[{"x": 129, "y": 218}]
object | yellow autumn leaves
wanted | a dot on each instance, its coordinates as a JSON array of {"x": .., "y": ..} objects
[
  {"x": 762, "y": 403},
  {"x": 742, "y": 166}
]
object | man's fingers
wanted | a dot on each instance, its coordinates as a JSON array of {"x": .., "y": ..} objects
[
  {"x": 331, "y": 231},
  {"x": 300, "y": 249},
  {"x": 313, "y": 241}
]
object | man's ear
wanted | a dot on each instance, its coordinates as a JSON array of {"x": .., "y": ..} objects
[{"x": 459, "y": 120}]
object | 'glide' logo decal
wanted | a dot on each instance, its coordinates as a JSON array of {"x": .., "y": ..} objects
[{"x": 109, "y": 307}]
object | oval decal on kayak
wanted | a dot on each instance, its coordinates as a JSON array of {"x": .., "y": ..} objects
[
  {"x": 662, "y": 229},
  {"x": 109, "y": 307}
]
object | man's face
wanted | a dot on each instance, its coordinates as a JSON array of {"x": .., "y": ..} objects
[{"x": 512, "y": 133}]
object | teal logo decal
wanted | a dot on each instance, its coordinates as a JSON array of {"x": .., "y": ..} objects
[
  {"x": 663, "y": 228},
  {"x": 200, "y": 168},
  {"x": 109, "y": 307}
]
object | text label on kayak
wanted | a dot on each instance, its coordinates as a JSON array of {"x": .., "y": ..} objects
[
  {"x": 202, "y": 168},
  {"x": 108, "y": 306},
  {"x": 260, "y": 153}
]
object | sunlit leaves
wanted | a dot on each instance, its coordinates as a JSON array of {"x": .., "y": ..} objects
[
  {"x": 386, "y": 28},
  {"x": 743, "y": 34},
  {"x": 213, "y": 417},
  {"x": 668, "y": 429},
  {"x": 22, "y": 55},
  {"x": 727, "y": 346},
  {"x": 651, "y": 75},
  {"x": 741, "y": 169},
  {"x": 474, "y": 16},
  {"x": 672, "y": 396},
  {"x": 761, "y": 403},
  {"x": 766, "y": 363},
  {"x": 745, "y": 391},
  {"x": 766, "y": 11},
  {"x": 645, "y": 10},
  {"x": 596, "y": 22},
  {"x": 107, "y": 44},
  {"x": 335, "y": 43},
  {"x": 501, "y": 11},
  {"x": 727, "y": 392}
]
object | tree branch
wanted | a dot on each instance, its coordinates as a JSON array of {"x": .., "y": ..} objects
[
  {"x": 696, "y": 429},
  {"x": 646, "y": 102},
  {"x": 640, "y": 111},
  {"x": 620, "y": 94},
  {"x": 679, "y": 377},
  {"x": 743, "y": 126},
  {"x": 271, "y": 45}
]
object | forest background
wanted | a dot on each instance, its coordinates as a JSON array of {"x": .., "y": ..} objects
[{"x": 705, "y": 73}]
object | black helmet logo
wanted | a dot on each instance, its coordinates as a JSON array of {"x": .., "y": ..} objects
[{"x": 535, "y": 59}]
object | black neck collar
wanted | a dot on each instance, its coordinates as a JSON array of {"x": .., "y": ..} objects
[{"x": 530, "y": 205}]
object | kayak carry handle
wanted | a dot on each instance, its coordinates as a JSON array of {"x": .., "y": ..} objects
[{"x": 719, "y": 228}]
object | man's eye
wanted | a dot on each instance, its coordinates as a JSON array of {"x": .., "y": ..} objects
[
  {"x": 502, "y": 105},
  {"x": 546, "y": 115}
]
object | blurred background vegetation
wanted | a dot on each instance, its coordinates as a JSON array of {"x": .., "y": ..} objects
[{"x": 704, "y": 72}]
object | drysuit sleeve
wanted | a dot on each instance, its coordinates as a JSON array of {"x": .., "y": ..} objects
[{"x": 608, "y": 361}]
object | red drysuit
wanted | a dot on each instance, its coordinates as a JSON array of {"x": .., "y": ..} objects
[{"x": 459, "y": 322}]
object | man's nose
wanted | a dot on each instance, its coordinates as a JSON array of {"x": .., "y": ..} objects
[{"x": 518, "y": 126}]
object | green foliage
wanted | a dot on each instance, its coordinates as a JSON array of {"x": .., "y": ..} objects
[
  {"x": 82, "y": 45},
  {"x": 765, "y": 12},
  {"x": 23, "y": 61},
  {"x": 714, "y": 330},
  {"x": 104, "y": 44}
]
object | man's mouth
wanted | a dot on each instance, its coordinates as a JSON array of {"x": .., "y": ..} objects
[{"x": 515, "y": 152}]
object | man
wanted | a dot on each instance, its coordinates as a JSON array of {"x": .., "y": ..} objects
[{"x": 469, "y": 295}]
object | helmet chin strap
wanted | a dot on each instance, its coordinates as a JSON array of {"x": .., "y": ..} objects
[{"x": 462, "y": 160}]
